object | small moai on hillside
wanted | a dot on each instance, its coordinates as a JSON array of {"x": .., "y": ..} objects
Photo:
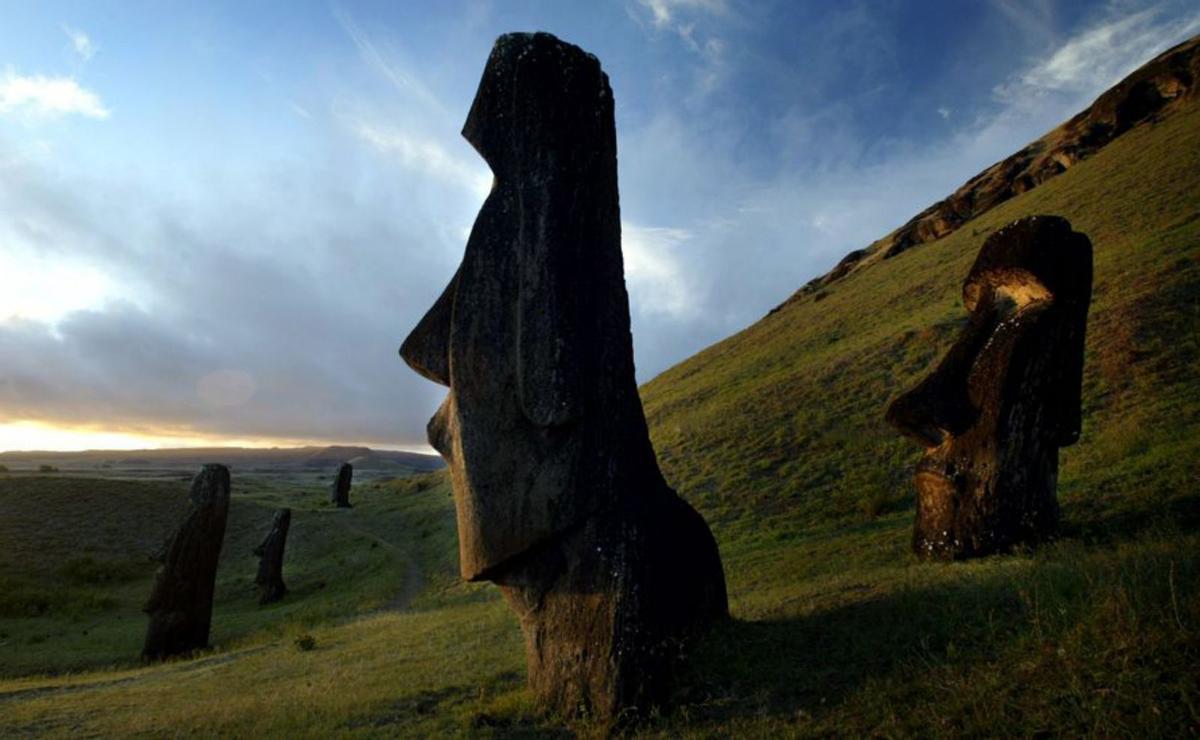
[
  {"x": 1005, "y": 397},
  {"x": 270, "y": 559},
  {"x": 340, "y": 491},
  {"x": 557, "y": 490},
  {"x": 180, "y": 606}
]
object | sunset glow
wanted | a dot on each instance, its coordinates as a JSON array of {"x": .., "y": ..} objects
[{"x": 32, "y": 435}]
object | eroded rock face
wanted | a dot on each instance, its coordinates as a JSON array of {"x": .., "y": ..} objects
[
  {"x": 180, "y": 606},
  {"x": 270, "y": 559},
  {"x": 558, "y": 494},
  {"x": 1005, "y": 397},
  {"x": 339, "y": 492}
]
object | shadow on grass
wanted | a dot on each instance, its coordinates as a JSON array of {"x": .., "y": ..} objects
[
  {"x": 782, "y": 667},
  {"x": 968, "y": 615}
]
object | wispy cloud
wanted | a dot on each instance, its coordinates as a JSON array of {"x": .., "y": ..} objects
[
  {"x": 299, "y": 109},
  {"x": 47, "y": 97},
  {"x": 664, "y": 12},
  {"x": 82, "y": 43},
  {"x": 425, "y": 156},
  {"x": 686, "y": 18},
  {"x": 1034, "y": 19},
  {"x": 1100, "y": 55},
  {"x": 371, "y": 54},
  {"x": 656, "y": 278}
]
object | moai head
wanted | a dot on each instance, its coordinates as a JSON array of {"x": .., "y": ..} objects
[
  {"x": 1005, "y": 397},
  {"x": 532, "y": 333}
]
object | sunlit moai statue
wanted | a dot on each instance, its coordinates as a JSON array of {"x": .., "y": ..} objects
[
  {"x": 270, "y": 559},
  {"x": 558, "y": 493},
  {"x": 339, "y": 492},
  {"x": 180, "y": 606},
  {"x": 1005, "y": 397}
]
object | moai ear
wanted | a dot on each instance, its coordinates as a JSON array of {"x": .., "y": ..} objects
[
  {"x": 427, "y": 348},
  {"x": 548, "y": 282}
]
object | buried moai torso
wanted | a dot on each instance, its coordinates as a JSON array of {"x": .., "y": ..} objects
[
  {"x": 1005, "y": 397},
  {"x": 339, "y": 490},
  {"x": 180, "y": 606},
  {"x": 558, "y": 495},
  {"x": 269, "y": 578}
]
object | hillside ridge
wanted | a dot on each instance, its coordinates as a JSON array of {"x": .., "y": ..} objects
[{"x": 1152, "y": 92}]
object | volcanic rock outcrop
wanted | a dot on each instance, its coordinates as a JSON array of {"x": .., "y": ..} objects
[
  {"x": 1005, "y": 397},
  {"x": 558, "y": 494},
  {"x": 270, "y": 559},
  {"x": 339, "y": 492},
  {"x": 180, "y": 606}
]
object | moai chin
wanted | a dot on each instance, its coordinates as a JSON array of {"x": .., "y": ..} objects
[
  {"x": 1005, "y": 397},
  {"x": 180, "y": 606},
  {"x": 558, "y": 494}
]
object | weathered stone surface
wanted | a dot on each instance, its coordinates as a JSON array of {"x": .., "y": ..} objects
[
  {"x": 558, "y": 494},
  {"x": 180, "y": 606},
  {"x": 339, "y": 492},
  {"x": 1005, "y": 397},
  {"x": 270, "y": 559}
]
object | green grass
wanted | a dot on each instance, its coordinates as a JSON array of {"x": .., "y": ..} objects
[
  {"x": 75, "y": 564},
  {"x": 786, "y": 418},
  {"x": 776, "y": 435}
]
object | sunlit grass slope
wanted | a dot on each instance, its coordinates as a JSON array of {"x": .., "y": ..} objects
[{"x": 776, "y": 435}]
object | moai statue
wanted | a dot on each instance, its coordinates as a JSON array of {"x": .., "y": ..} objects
[
  {"x": 270, "y": 559},
  {"x": 558, "y": 493},
  {"x": 1005, "y": 397},
  {"x": 340, "y": 491},
  {"x": 180, "y": 606}
]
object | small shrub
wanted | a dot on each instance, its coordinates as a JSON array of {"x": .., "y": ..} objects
[
  {"x": 3, "y": 468},
  {"x": 47, "y": 469},
  {"x": 305, "y": 642}
]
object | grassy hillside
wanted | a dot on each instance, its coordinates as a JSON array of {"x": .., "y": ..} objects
[
  {"x": 75, "y": 565},
  {"x": 776, "y": 434},
  {"x": 786, "y": 418}
]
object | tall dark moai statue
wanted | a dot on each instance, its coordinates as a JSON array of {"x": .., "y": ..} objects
[
  {"x": 180, "y": 606},
  {"x": 558, "y": 494},
  {"x": 270, "y": 559},
  {"x": 1005, "y": 397},
  {"x": 339, "y": 492}
]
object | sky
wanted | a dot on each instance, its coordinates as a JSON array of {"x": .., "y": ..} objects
[{"x": 219, "y": 220}]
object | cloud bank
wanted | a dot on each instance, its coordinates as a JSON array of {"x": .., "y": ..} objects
[{"x": 266, "y": 298}]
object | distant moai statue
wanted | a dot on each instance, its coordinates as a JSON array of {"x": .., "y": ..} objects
[
  {"x": 340, "y": 491},
  {"x": 270, "y": 559},
  {"x": 1005, "y": 397},
  {"x": 558, "y": 493},
  {"x": 180, "y": 606}
]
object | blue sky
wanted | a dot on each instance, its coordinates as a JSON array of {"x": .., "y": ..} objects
[{"x": 218, "y": 220}]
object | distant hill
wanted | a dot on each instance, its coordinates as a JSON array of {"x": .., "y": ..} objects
[
  {"x": 281, "y": 458},
  {"x": 785, "y": 418}
]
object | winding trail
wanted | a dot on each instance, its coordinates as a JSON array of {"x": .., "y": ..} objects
[{"x": 413, "y": 578}]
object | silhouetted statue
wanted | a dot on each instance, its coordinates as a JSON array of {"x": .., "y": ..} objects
[
  {"x": 1006, "y": 396},
  {"x": 270, "y": 559},
  {"x": 558, "y": 494},
  {"x": 339, "y": 493},
  {"x": 180, "y": 606}
]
